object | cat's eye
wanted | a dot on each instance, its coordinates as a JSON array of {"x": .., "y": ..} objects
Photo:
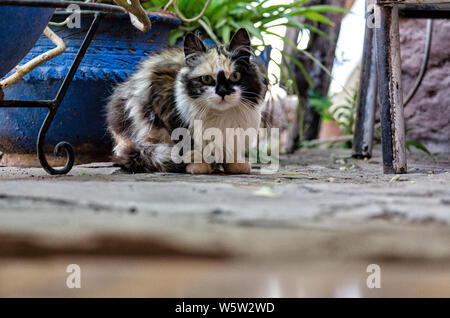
[
  {"x": 207, "y": 79},
  {"x": 235, "y": 77}
]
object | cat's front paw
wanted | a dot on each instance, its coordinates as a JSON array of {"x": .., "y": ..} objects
[
  {"x": 198, "y": 168},
  {"x": 237, "y": 168}
]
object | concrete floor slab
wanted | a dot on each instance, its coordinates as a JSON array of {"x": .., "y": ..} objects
[{"x": 321, "y": 207}]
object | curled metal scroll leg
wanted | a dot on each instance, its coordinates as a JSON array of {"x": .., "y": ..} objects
[{"x": 62, "y": 146}]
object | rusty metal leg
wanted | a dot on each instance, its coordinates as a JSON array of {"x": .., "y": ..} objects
[
  {"x": 367, "y": 97},
  {"x": 390, "y": 89}
]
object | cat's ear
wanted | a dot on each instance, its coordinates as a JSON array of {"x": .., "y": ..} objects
[
  {"x": 193, "y": 47},
  {"x": 240, "y": 44}
]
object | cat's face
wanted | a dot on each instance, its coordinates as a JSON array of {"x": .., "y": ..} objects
[{"x": 222, "y": 77}]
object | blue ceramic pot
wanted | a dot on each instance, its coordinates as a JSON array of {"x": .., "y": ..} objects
[
  {"x": 113, "y": 55},
  {"x": 20, "y": 28}
]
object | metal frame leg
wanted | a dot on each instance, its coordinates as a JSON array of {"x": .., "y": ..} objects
[
  {"x": 367, "y": 97},
  {"x": 52, "y": 110},
  {"x": 390, "y": 89}
]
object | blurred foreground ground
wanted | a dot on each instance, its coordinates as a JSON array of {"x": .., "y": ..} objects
[{"x": 310, "y": 230}]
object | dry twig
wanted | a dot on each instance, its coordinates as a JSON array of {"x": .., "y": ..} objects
[{"x": 138, "y": 16}]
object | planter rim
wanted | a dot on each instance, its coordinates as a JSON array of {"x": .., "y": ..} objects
[
  {"x": 91, "y": 72},
  {"x": 155, "y": 16}
]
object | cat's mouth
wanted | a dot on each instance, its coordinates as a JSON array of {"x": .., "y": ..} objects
[
  {"x": 227, "y": 99},
  {"x": 225, "y": 103}
]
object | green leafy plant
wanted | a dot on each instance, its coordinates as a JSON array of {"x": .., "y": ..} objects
[
  {"x": 321, "y": 105},
  {"x": 415, "y": 144},
  {"x": 345, "y": 114},
  {"x": 408, "y": 143},
  {"x": 223, "y": 17}
]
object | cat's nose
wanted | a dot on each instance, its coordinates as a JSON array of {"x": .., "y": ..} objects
[{"x": 222, "y": 91}]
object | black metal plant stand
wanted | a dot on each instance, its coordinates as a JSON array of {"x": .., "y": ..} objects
[{"x": 52, "y": 105}]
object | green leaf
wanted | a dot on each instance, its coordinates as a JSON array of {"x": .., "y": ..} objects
[
  {"x": 175, "y": 35},
  {"x": 301, "y": 67},
  {"x": 326, "y": 8},
  {"x": 276, "y": 7},
  {"x": 266, "y": 192},
  {"x": 252, "y": 29},
  {"x": 219, "y": 15},
  {"x": 417, "y": 145},
  {"x": 395, "y": 178},
  {"x": 226, "y": 33},
  {"x": 208, "y": 30},
  {"x": 314, "y": 16}
]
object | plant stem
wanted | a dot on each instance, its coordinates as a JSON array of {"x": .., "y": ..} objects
[
  {"x": 167, "y": 6},
  {"x": 138, "y": 16},
  {"x": 189, "y": 20},
  {"x": 299, "y": 118}
]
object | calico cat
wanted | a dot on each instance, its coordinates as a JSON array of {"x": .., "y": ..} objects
[{"x": 221, "y": 86}]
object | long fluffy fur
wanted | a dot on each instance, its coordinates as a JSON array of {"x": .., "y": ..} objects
[{"x": 165, "y": 94}]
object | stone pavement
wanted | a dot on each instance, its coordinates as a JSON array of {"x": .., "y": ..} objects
[{"x": 321, "y": 207}]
